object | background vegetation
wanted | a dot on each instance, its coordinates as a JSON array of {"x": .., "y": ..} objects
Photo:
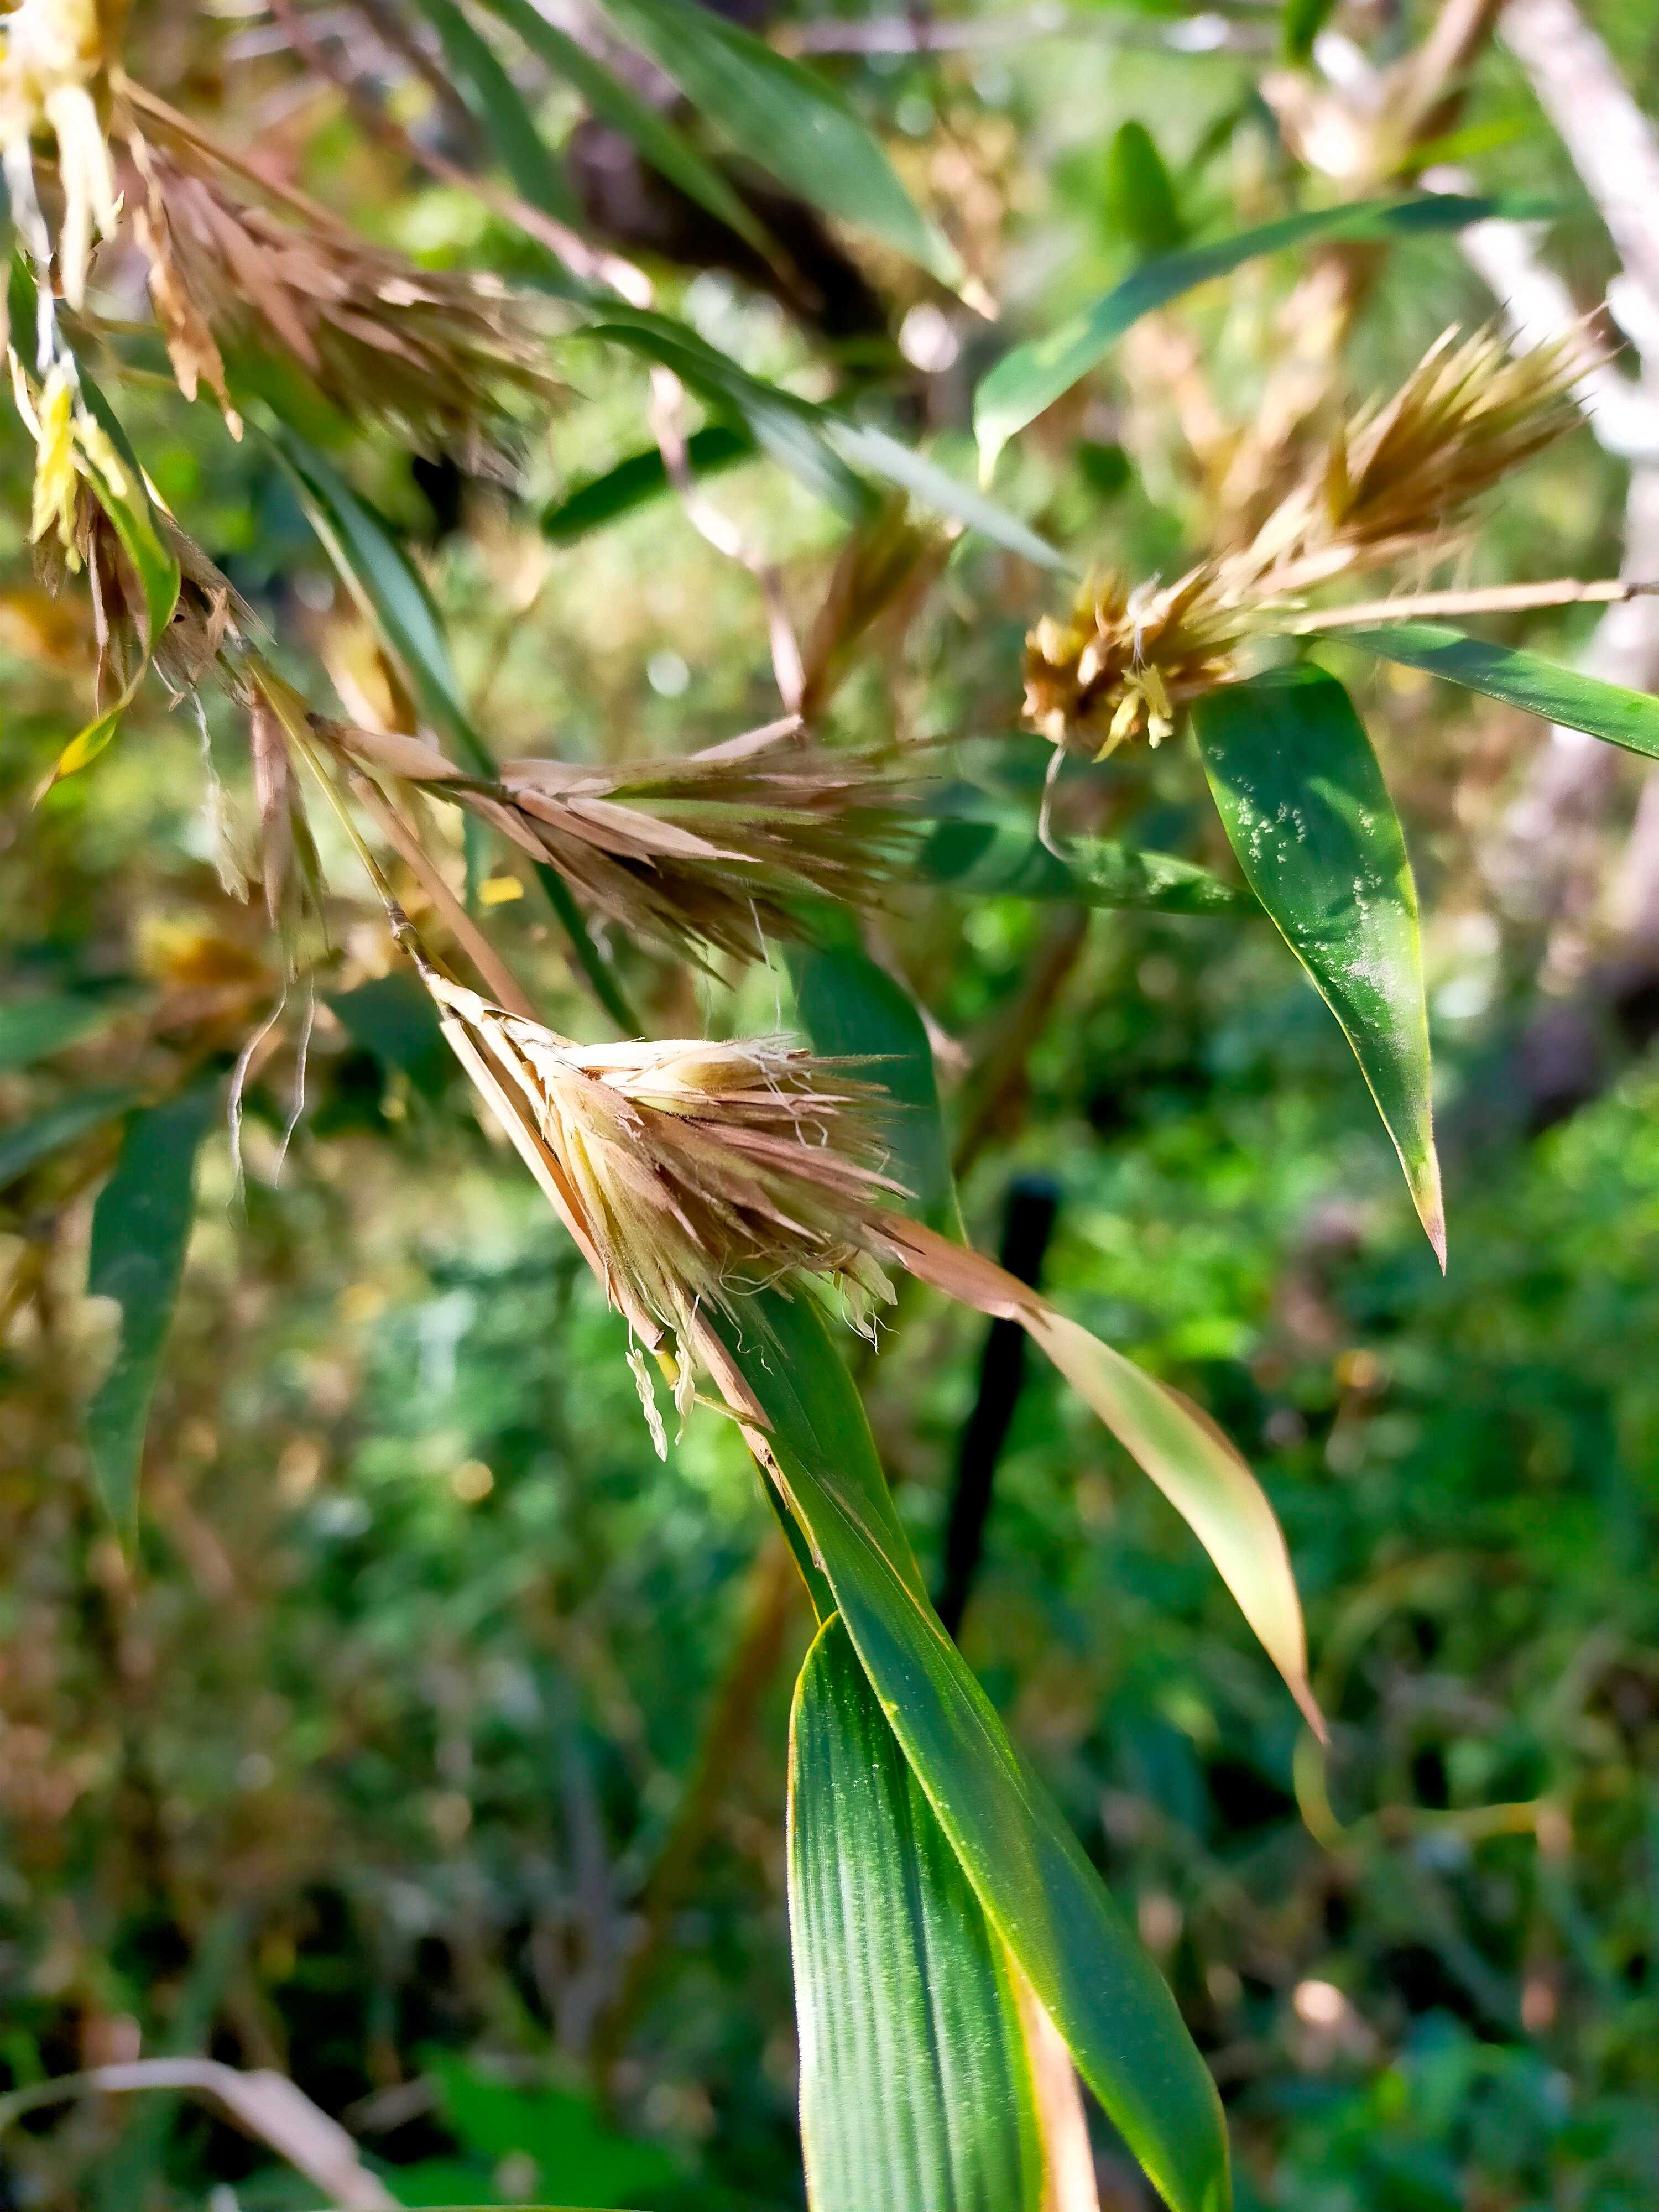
[{"x": 428, "y": 1744}]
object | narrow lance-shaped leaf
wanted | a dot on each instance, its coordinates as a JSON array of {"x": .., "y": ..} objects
[
  {"x": 397, "y": 605},
  {"x": 1526, "y": 680},
  {"x": 789, "y": 120},
  {"x": 993, "y": 851},
  {"x": 1304, "y": 802},
  {"x": 499, "y": 107},
  {"x": 831, "y": 456},
  {"x": 668, "y": 150},
  {"x": 848, "y": 1005},
  {"x": 640, "y": 477},
  {"x": 914, "y": 2083},
  {"x": 1174, "y": 1441},
  {"x": 140, "y": 1227},
  {"x": 28, "y": 1143},
  {"x": 1033, "y": 376},
  {"x": 1038, "y": 1889},
  {"x": 34, "y": 1029}
]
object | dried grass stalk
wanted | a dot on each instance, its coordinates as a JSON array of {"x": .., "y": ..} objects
[{"x": 1394, "y": 483}]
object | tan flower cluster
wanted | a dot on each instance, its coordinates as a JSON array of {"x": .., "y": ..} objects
[
  {"x": 236, "y": 260},
  {"x": 1394, "y": 483},
  {"x": 689, "y": 1173},
  {"x": 706, "y": 852}
]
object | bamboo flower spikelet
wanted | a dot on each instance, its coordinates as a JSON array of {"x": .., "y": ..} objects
[
  {"x": 238, "y": 261},
  {"x": 1395, "y": 484},
  {"x": 708, "y": 851},
  {"x": 689, "y": 1172}
]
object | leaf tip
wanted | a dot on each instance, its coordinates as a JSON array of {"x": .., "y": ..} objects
[{"x": 1302, "y": 1691}]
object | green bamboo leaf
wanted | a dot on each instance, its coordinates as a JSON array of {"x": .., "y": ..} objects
[
  {"x": 1303, "y": 22},
  {"x": 915, "y": 2090},
  {"x": 48, "y": 1131},
  {"x": 1038, "y": 1889},
  {"x": 1034, "y": 375},
  {"x": 996, "y": 853},
  {"x": 865, "y": 447},
  {"x": 824, "y": 451},
  {"x": 398, "y": 606},
  {"x": 848, "y": 1005},
  {"x": 639, "y": 478},
  {"x": 498, "y": 108},
  {"x": 36, "y": 1028},
  {"x": 668, "y": 150},
  {"x": 1526, "y": 680},
  {"x": 1141, "y": 197},
  {"x": 1204, "y": 1479},
  {"x": 787, "y": 120},
  {"x": 791, "y": 430},
  {"x": 1304, "y": 802},
  {"x": 140, "y": 1226}
]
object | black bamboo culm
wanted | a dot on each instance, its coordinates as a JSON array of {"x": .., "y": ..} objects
[{"x": 1028, "y": 1224}]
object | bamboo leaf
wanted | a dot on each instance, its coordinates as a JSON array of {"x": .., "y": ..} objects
[
  {"x": 848, "y": 1005},
  {"x": 1526, "y": 680},
  {"x": 1304, "y": 803},
  {"x": 640, "y": 477},
  {"x": 398, "y": 606},
  {"x": 669, "y": 151},
  {"x": 34, "y": 1029},
  {"x": 48, "y": 1131},
  {"x": 140, "y": 1226},
  {"x": 1033, "y": 376},
  {"x": 1303, "y": 21},
  {"x": 824, "y": 451},
  {"x": 789, "y": 121},
  {"x": 498, "y": 108},
  {"x": 1189, "y": 1459},
  {"x": 1036, "y": 1887},
  {"x": 996, "y": 853},
  {"x": 792, "y": 431},
  {"x": 1203, "y": 1478},
  {"x": 1140, "y": 197},
  {"x": 915, "y": 2091}
]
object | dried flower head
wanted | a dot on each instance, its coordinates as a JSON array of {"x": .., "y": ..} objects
[
  {"x": 236, "y": 260},
  {"x": 208, "y": 616},
  {"x": 1392, "y": 483},
  {"x": 53, "y": 60},
  {"x": 691, "y": 1172},
  {"x": 708, "y": 851}
]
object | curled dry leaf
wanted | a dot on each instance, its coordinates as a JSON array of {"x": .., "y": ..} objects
[
  {"x": 1390, "y": 485},
  {"x": 208, "y": 618}
]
